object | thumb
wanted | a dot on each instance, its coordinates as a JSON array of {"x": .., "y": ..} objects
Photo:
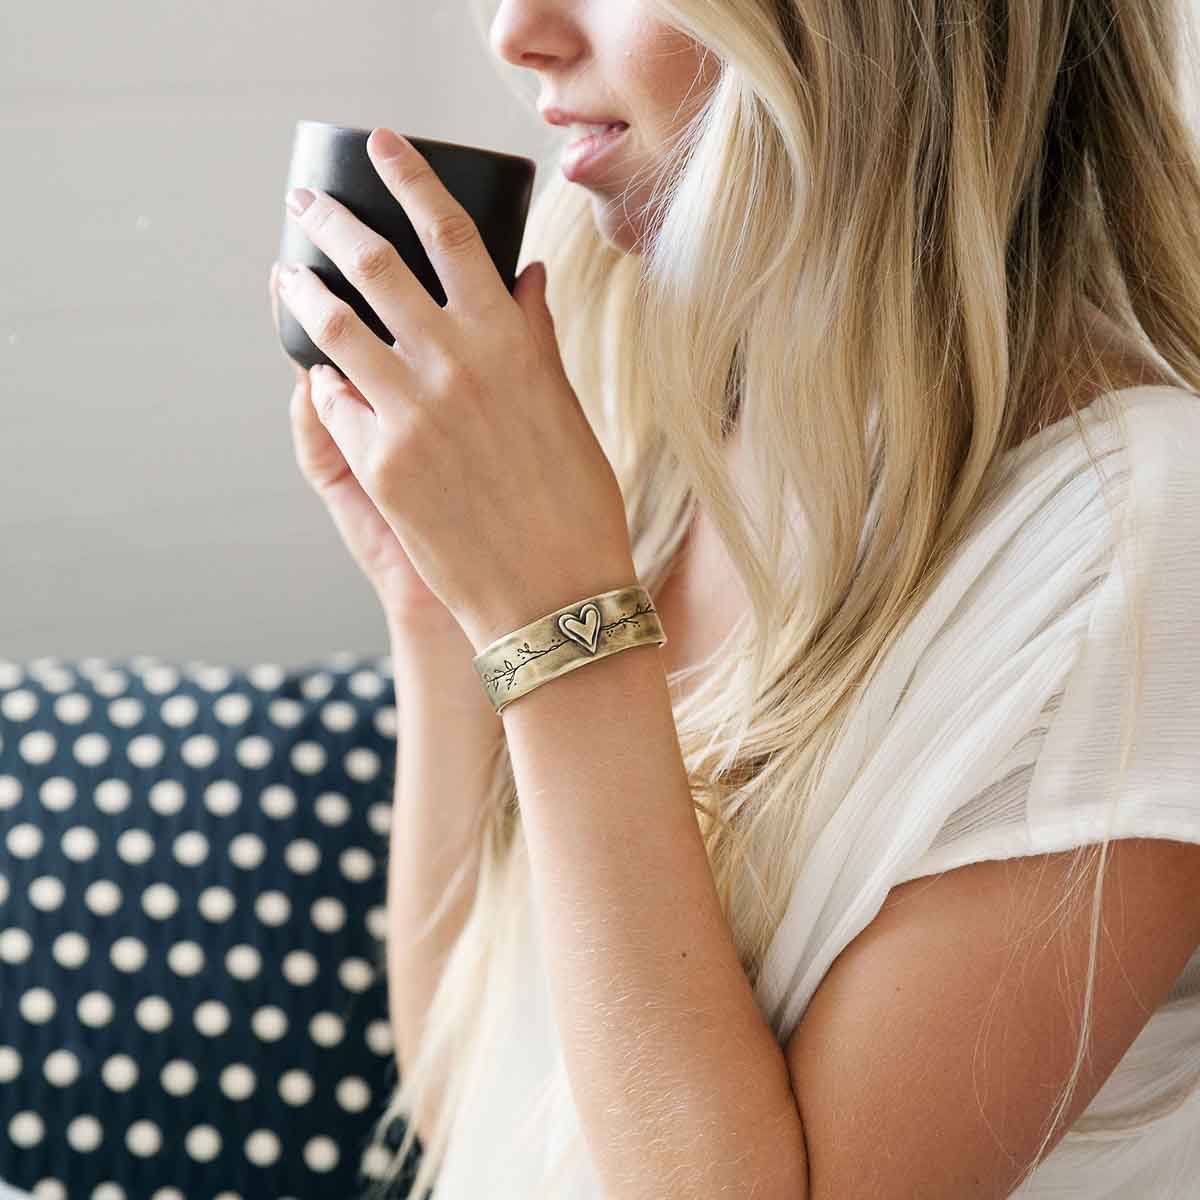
[
  {"x": 341, "y": 409},
  {"x": 530, "y": 294}
]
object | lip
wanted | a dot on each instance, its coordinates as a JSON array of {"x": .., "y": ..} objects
[{"x": 582, "y": 158}]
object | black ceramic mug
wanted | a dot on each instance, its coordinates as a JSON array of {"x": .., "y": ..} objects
[{"x": 495, "y": 190}]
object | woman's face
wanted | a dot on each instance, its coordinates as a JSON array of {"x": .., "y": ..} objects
[{"x": 608, "y": 60}]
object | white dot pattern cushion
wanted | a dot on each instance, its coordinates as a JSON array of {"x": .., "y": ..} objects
[{"x": 192, "y": 902}]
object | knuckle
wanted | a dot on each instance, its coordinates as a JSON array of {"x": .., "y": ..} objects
[
  {"x": 452, "y": 232},
  {"x": 333, "y": 325},
  {"x": 371, "y": 259}
]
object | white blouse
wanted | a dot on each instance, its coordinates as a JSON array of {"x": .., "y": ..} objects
[{"x": 989, "y": 731}]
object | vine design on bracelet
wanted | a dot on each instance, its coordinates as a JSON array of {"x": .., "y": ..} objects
[{"x": 509, "y": 672}]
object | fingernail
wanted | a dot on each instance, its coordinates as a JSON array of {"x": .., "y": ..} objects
[
  {"x": 298, "y": 199},
  {"x": 287, "y": 273}
]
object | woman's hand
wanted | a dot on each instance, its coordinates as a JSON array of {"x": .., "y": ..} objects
[
  {"x": 465, "y": 434},
  {"x": 371, "y": 543}
]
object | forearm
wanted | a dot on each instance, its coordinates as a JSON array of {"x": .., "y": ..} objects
[
  {"x": 681, "y": 1086},
  {"x": 446, "y": 737}
]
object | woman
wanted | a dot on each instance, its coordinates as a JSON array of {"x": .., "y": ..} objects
[{"x": 888, "y": 319}]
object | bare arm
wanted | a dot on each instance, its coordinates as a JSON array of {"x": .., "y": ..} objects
[{"x": 446, "y": 734}]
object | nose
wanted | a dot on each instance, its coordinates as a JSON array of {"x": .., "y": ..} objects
[{"x": 534, "y": 33}]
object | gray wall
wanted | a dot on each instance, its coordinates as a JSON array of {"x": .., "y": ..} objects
[{"x": 150, "y": 502}]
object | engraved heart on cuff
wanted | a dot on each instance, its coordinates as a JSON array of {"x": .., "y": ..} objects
[{"x": 585, "y": 631}]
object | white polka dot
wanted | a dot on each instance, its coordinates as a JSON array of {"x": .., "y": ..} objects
[
  {"x": 112, "y": 795},
  {"x": 353, "y": 1094},
  {"x": 120, "y": 1072},
  {"x": 61, "y": 1068},
  {"x": 85, "y": 1133},
  {"x": 72, "y": 708},
  {"x": 332, "y": 808},
  {"x": 24, "y": 840},
  {"x": 70, "y": 949},
  {"x": 326, "y": 1029},
  {"x": 167, "y": 797},
  {"x": 79, "y": 843},
  {"x": 10, "y": 1064},
  {"x": 237, "y": 1081},
  {"x": 247, "y": 851},
  {"x": 317, "y": 685},
  {"x": 153, "y": 1014},
  {"x": 269, "y": 1023},
  {"x": 52, "y": 675},
  {"x": 108, "y": 1190},
  {"x": 10, "y": 791},
  {"x": 285, "y": 712},
  {"x": 296, "y": 1087},
  {"x": 10, "y": 673},
  {"x": 216, "y": 903},
  {"x": 3, "y": 888},
  {"x": 262, "y": 1148},
  {"x": 328, "y": 914},
  {"x": 356, "y": 863},
  {"x": 300, "y": 967},
  {"x": 232, "y": 709},
  {"x": 49, "y": 1188},
  {"x": 37, "y": 1005},
  {"x": 379, "y": 817},
  {"x": 26, "y": 1129},
  {"x": 103, "y": 897},
  {"x": 178, "y": 711},
  {"x": 362, "y": 764},
  {"x": 200, "y": 750},
  {"x": 254, "y": 752},
  {"x": 160, "y": 680},
  {"x": 91, "y": 749},
  {"x": 135, "y": 846},
  {"x": 94, "y": 1009},
  {"x": 111, "y": 682},
  {"x": 243, "y": 962},
  {"x": 145, "y": 750},
  {"x": 178, "y": 1077},
  {"x": 203, "y": 1143},
  {"x": 376, "y": 922},
  {"x": 321, "y": 1153},
  {"x": 366, "y": 684},
  {"x": 385, "y": 721},
  {"x": 15, "y": 945},
  {"x": 273, "y": 908},
  {"x": 212, "y": 1018},
  {"x": 160, "y": 900},
  {"x": 213, "y": 678},
  {"x": 126, "y": 712},
  {"x": 222, "y": 797},
  {"x": 356, "y": 974},
  {"x": 191, "y": 848},
  {"x": 19, "y": 705},
  {"x": 308, "y": 757},
  {"x": 266, "y": 676},
  {"x": 128, "y": 954},
  {"x": 379, "y": 1037},
  {"x": 375, "y": 1162},
  {"x": 338, "y": 716},
  {"x": 37, "y": 747},
  {"x": 168, "y": 1193},
  {"x": 302, "y": 855},
  {"x": 186, "y": 958},
  {"x": 278, "y": 801},
  {"x": 57, "y": 794}
]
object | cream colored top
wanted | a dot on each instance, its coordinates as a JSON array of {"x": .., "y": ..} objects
[{"x": 1006, "y": 754}]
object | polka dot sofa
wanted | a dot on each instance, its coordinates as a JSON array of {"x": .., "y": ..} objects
[{"x": 193, "y": 995}]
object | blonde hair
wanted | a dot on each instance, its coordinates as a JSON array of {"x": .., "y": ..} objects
[{"x": 879, "y": 231}]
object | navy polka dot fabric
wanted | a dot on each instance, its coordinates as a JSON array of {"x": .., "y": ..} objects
[{"x": 193, "y": 996}]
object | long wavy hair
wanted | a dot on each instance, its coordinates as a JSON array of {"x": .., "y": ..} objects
[{"x": 874, "y": 245}]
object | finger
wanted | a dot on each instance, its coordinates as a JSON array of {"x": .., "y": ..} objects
[
  {"x": 450, "y": 237},
  {"x": 349, "y": 421},
  {"x": 379, "y": 373},
  {"x": 300, "y": 373},
  {"x": 373, "y": 265}
]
